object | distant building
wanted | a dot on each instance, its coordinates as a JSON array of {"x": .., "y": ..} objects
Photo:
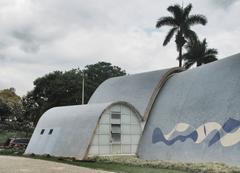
[{"x": 171, "y": 114}]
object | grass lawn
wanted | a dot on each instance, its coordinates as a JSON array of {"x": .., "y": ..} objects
[
  {"x": 132, "y": 164},
  {"x": 114, "y": 167},
  {"x": 124, "y": 168}
]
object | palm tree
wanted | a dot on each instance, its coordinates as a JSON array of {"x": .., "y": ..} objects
[
  {"x": 197, "y": 52},
  {"x": 181, "y": 21}
]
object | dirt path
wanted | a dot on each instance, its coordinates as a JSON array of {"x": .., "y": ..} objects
[{"x": 9, "y": 164}]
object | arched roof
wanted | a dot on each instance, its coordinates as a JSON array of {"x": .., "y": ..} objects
[
  {"x": 73, "y": 130},
  {"x": 196, "y": 104},
  {"x": 71, "y": 123},
  {"x": 140, "y": 90}
]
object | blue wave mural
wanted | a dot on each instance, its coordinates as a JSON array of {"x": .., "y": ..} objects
[
  {"x": 159, "y": 136},
  {"x": 228, "y": 134}
]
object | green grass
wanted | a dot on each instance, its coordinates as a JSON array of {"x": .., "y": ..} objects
[
  {"x": 124, "y": 168},
  {"x": 185, "y": 167},
  {"x": 114, "y": 167}
]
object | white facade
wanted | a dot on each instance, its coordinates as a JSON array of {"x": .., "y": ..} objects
[{"x": 118, "y": 132}]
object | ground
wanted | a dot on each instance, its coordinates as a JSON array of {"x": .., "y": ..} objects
[
  {"x": 10, "y": 164},
  {"x": 20, "y": 164}
]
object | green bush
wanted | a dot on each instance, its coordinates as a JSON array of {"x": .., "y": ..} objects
[{"x": 11, "y": 151}]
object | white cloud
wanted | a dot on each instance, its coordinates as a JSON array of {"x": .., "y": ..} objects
[{"x": 39, "y": 36}]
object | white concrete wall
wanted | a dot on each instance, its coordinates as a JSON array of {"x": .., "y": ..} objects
[
  {"x": 130, "y": 130},
  {"x": 196, "y": 116}
]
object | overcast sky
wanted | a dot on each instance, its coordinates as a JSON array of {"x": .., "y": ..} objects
[{"x": 40, "y": 36}]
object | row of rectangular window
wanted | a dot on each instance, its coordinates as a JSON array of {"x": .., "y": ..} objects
[
  {"x": 117, "y": 118},
  {"x": 125, "y": 149},
  {"x": 43, "y": 130},
  {"x": 115, "y": 138},
  {"x": 117, "y": 128}
]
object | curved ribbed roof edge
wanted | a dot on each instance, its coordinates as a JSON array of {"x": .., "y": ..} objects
[
  {"x": 140, "y": 89},
  {"x": 158, "y": 87}
]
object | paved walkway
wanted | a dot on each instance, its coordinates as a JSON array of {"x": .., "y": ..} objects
[{"x": 9, "y": 164}]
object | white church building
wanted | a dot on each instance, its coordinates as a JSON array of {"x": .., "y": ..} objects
[{"x": 170, "y": 114}]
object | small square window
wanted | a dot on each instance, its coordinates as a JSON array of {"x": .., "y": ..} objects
[
  {"x": 116, "y": 115},
  {"x": 50, "y": 131},
  {"x": 116, "y": 128},
  {"x": 42, "y": 131},
  {"x": 116, "y": 137}
]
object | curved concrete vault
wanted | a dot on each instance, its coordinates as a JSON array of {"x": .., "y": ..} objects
[{"x": 191, "y": 116}]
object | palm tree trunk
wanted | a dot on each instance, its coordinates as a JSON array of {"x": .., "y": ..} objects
[
  {"x": 180, "y": 57},
  {"x": 199, "y": 63},
  {"x": 180, "y": 41}
]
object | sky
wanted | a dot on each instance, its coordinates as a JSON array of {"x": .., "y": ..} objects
[{"x": 41, "y": 36}]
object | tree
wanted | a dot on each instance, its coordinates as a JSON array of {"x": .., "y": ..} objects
[
  {"x": 181, "y": 23},
  {"x": 10, "y": 105},
  {"x": 54, "y": 89},
  {"x": 31, "y": 109},
  {"x": 197, "y": 52},
  {"x": 11, "y": 108},
  {"x": 65, "y": 88},
  {"x": 97, "y": 73},
  {"x": 5, "y": 110}
]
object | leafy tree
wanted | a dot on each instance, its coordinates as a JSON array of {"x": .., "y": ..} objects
[
  {"x": 11, "y": 111},
  {"x": 181, "y": 23},
  {"x": 197, "y": 52},
  {"x": 31, "y": 110},
  {"x": 5, "y": 110},
  {"x": 65, "y": 88},
  {"x": 10, "y": 105},
  {"x": 54, "y": 89},
  {"x": 95, "y": 74}
]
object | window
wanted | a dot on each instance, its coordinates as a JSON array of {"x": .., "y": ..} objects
[
  {"x": 116, "y": 137},
  {"x": 116, "y": 133},
  {"x": 116, "y": 115},
  {"x": 42, "y": 131},
  {"x": 116, "y": 128},
  {"x": 50, "y": 131},
  {"x": 115, "y": 118}
]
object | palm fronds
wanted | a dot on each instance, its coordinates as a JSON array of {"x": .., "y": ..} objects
[
  {"x": 166, "y": 21},
  {"x": 197, "y": 52},
  {"x": 180, "y": 21},
  {"x": 169, "y": 36},
  {"x": 196, "y": 19}
]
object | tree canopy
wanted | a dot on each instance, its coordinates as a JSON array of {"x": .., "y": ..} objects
[
  {"x": 10, "y": 105},
  {"x": 65, "y": 88},
  {"x": 95, "y": 74},
  {"x": 11, "y": 109}
]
